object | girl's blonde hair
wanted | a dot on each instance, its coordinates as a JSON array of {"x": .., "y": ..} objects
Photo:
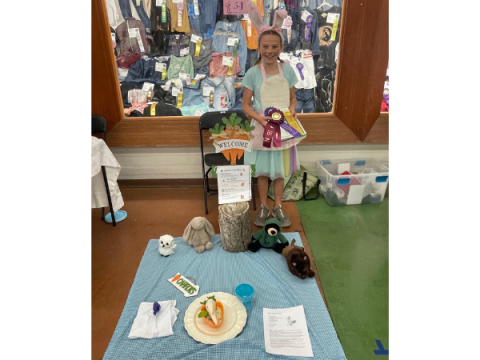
[{"x": 268, "y": 32}]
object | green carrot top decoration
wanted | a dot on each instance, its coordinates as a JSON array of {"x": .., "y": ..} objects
[
  {"x": 217, "y": 129},
  {"x": 247, "y": 126},
  {"x": 234, "y": 120}
]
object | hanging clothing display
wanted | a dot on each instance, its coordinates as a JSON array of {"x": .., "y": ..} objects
[
  {"x": 193, "y": 43},
  {"x": 224, "y": 31},
  {"x": 328, "y": 34},
  {"x": 127, "y": 13},
  {"x": 205, "y": 52},
  {"x": 179, "y": 16}
]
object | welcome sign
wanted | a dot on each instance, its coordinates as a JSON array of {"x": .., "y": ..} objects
[
  {"x": 233, "y": 138},
  {"x": 244, "y": 145}
]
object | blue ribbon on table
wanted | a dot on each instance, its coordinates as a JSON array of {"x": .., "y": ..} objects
[{"x": 191, "y": 10}]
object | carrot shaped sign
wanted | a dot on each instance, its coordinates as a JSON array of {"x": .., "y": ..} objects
[{"x": 233, "y": 138}]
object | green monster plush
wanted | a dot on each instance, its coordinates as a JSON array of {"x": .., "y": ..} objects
[{"x": 269, "y": 237}]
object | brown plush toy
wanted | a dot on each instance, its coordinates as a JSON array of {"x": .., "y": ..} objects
[{"x": 298, "y": 261}]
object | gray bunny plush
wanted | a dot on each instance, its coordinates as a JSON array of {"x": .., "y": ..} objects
[{"x": 198, "y": 234}]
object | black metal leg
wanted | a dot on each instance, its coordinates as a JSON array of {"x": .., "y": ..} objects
[
  {"x": 103, "y": 213},
  {"x": 205, "y": 196},
  {"x": 206, "y": 177},
  {"x": 108, "y": 196},
  {"x": 253, "y": 196}
]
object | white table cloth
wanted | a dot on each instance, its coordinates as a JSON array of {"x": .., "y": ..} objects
[{"x": 102, "y": 156}]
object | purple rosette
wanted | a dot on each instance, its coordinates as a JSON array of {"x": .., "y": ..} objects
[
  {"x": 271, "y": 132},
  {"x": 300, "y": 68},
  {"x": 268, "y": 110},
  {"x": 309, "y": 25}
]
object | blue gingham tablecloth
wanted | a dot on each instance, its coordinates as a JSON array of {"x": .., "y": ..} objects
[{"x": 218, "y": 270}]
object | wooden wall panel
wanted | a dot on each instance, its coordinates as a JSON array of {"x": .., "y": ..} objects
[
  {"x": 184, "y": 131},
  {"x": 379, "y": 132},
  {"x": 106, "y": 97},
  {"x": 362, "y": 64}
]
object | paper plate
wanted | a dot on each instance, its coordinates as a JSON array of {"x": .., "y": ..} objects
[{"x": 235, "y": 318}]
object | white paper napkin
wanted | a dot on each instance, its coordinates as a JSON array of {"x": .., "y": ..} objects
[{"x": 165, "y": 318}]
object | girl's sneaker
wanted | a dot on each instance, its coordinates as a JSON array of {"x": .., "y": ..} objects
[
  {"x": 262, "y": 216},
  {"x": 281, "y": 216}
]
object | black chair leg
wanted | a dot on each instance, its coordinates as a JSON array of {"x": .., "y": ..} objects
[
  {"x": 103, "y": 213},
  {"x": 108, "y": 196},
  {"x": 253, "y": 196},
  {"x": 205, "y": 196},
  {"x": 208, "y": 185}
]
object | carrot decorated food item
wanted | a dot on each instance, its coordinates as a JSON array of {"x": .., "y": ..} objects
[
  {"x": 212, "y": 312},
  {"x": 233, "y": 129}
]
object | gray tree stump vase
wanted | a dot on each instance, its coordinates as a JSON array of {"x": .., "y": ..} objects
[{"x": 235, "y": 226}]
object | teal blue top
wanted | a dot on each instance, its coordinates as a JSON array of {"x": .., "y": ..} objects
[{"x": 253, "y": 80}]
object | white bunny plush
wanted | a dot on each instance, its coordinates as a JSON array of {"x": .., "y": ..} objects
[
  {"x": 166, "y": 244},
  {"x": 198, "y": 234}
]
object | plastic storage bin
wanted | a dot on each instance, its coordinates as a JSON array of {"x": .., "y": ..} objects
[{"x": 366, "y": 183}]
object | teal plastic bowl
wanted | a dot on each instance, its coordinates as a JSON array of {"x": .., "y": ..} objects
[{"x": 244, "y": 293}]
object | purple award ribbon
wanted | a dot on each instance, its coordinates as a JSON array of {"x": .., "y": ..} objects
[
  {"x": 300, "y": 68},
  {"x": 271, "y": 132},
  {"x": 309, "y": 25},
  {"x": 285, "y": 126}
]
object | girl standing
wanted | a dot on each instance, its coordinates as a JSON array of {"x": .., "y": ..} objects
[{"x": 271, "y": 83}]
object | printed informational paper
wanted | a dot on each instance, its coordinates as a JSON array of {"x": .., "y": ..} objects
[
  {"x": 207, "y": 90},
  {"x": 286, "y": 332},
  {"x": 176, "y": 91},
  {"x": 132, "y": 32},
  {"x": 226, "y": 60},
  {"x": 147, "y": 86},
  {"x": 331, "y": 17},
  {"x": 231, "y": 41},
  {"x": 159, "y": 66},
  {"x": 194, "y": 38},
  {"x": 184, "y": 76},
  {"x": 234, "y": 184},
  {"x": 305, "y": 14}
]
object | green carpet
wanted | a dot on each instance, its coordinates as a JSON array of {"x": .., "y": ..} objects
[{"x": 350, "y": 249}]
